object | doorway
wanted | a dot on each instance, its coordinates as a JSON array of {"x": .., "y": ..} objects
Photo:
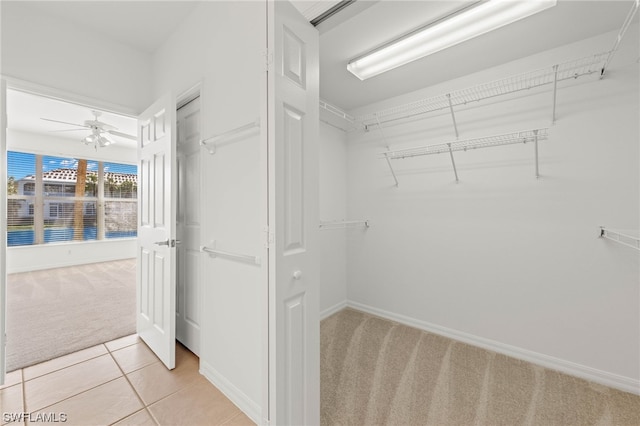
[{"x": 188, "y": 216}]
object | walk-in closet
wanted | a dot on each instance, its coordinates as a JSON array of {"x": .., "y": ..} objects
[{"x": 480, "y": 231}]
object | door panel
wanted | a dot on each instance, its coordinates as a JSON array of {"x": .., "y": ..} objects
[
  {"x": 156, "y": 287},
  {"x": 188, "y": 227},
  {"x": 3, "y": 220},
  {"x": 294, "y": 389}
]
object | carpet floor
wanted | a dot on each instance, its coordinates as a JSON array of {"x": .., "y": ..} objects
[
  {"x": 58, "y": 311},
  {"x": 375, "y": 371}
]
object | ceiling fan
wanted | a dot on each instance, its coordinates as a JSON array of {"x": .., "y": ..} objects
[{"x": 100, "y": 131}]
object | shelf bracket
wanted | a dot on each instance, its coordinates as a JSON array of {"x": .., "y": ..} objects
[
  {"x": 393, "y": 173},
  {"x": 535, "y": 147},
  {"x": 453, "y": 116},
  {"x": 555, "y": 92},
  {"x": 453, "y": 163}
]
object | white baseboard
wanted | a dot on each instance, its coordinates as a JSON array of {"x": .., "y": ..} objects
[
  {"x": 616, "y": 381},
  {"x": 333, "y": 309},
  {"x": 235, "y": 395}
]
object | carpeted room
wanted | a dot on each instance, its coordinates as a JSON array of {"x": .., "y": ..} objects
[{"x": 54, "y": 312}]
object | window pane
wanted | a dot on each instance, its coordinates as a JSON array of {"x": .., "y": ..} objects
[
  {"x": 65, "y": 215},
  {"x": 121, "y": 219},
  {"x": 120, "y": 180},
  {"x": 21, "y": 175}
]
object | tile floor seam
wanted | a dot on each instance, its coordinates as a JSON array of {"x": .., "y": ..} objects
[
  {"x": 71, "y": 396},
  {"x": 168, "y": 395},
  {"x": 123, "y": 347},
  {"x": 130, "y": 385},
  {"x": 59, "y": 369}
]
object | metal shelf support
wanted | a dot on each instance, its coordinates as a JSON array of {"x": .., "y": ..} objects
[
  {"x": 453, "y": 163},
  {"x": 618, "y": 237},
  {"x": 555, "y": 93},
  {"x": 453, "y": 117},
  {"x": 393, "y": 173},
  {"x": 535, "y": 144}
]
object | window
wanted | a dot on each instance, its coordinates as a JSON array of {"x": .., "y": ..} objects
[
  {"x": 53, "y": 210},
  {"x": 70, "y": 209}
]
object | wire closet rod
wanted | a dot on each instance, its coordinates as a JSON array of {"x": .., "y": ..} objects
[
  {"x": 341, "y": 224},
  {"x": 211, "y": 140},
  {"x": 231, "y": 255},
  {"x": 619, "y": 237}
]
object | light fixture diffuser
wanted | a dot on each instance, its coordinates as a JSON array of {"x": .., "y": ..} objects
[{"x": 474, "y": 21}]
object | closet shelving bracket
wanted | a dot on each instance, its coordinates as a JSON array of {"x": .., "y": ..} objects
[
  {"x": 210, "y": 142},
  {"x": 524, "y": 136},
  {"x": 619, "y": 237}
]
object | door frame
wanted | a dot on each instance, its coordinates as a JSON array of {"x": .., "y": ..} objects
[
  {"x": 182, "y": 99},
  {"x": 12, "y": 83}
]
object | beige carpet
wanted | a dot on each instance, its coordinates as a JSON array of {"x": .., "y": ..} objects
[
  {"x": 375, "y": 371},
  {"x": 58, "y": 311}
]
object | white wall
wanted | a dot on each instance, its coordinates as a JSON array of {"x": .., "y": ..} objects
[
  {"x": 333, "y": 206},
  {"x": 45, "y": 256},
  {"x": 502, "y": 259},
  {"x": 219, "y": 45},
  {"x": 51, "y": 52}
]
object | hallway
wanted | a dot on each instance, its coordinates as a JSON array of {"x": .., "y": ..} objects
[{"x": 120, "y": 382}]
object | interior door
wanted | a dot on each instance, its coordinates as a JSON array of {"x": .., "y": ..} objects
[
  {"x": 3, "y": 235},
  {"x": 156, "y": 278},
  {"x": 294, "y": 324},
  {"x": 188, "y": 226}
]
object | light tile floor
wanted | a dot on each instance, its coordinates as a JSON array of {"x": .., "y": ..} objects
[{"x": 117, "y": 383}]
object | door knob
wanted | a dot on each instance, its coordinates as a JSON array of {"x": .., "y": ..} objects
[
  {"x": 162, "y": 243},
  {"x": 297, "y": 275}
]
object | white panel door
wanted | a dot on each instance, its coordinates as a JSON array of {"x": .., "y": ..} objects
[
  {"x": 294, "y": 383},
  {"x": 156, "y": 279},
  {"x": 188, "y": 227},
  {"x": 3, "y": 235}
]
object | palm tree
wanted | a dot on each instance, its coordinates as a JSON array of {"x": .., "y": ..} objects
[{"x": 78, "y": 211}]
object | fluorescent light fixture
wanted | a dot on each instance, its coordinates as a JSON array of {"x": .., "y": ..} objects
[{"x": 467, "y": 24}]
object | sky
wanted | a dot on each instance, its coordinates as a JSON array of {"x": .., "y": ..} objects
[{"x": 21, "y": 164}]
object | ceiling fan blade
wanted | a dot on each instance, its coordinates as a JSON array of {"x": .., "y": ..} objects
[
  {"x": 122, "y": 135},
  {"x": 64, "y": 122},
  {"x": 68, "y": 130}
]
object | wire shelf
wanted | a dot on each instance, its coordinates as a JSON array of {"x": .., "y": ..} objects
[
  {"x": 618, "y": 237},
  {"x": 524, "y": 136},
  {"x": 593, "y": 64}
]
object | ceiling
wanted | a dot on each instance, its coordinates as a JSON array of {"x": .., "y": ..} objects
[
  {"x": 25, "y": 112},
  {"x": 356, "y": 29},
  {"x": 567, "y": 22},
  {"x": 143, "y": 25}
]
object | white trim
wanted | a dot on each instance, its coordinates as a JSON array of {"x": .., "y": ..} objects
[
  {"x": 239, "y": 398},
  {"x": 72, "y": 253},
  {"x": 333, "y": 309},
  {"x": 26, "y": 86},
  {"x": 625, "y": 384}
]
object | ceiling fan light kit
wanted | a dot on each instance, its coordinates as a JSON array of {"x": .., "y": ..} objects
[
  {"x": 472, "y": 21},
  {"x": 100, "y": 131}
]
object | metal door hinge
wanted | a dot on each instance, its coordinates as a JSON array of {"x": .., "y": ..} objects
[
  {"x": 267, "y": 60},
  {"x": 269, "y": 238}
]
